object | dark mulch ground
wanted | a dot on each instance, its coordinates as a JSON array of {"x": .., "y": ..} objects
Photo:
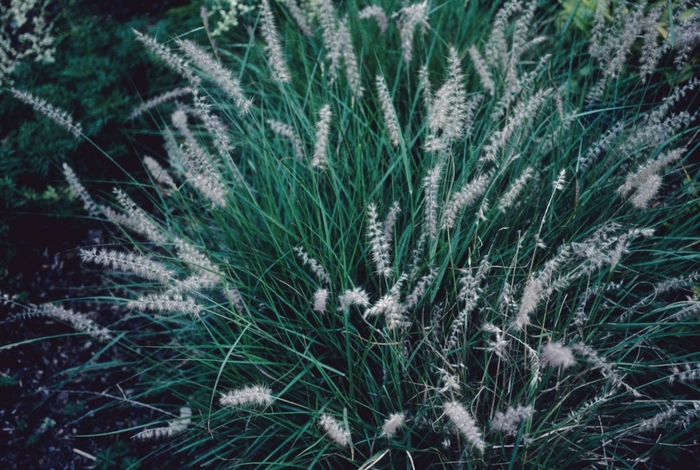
[{"x": 52, "y": 403}]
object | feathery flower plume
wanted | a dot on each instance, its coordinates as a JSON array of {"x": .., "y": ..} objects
[
  {"x": 466, "y": 196},
  {"x": 651, "y": 51},
  {"x": 158, "y": 100},
  {"x": 166, "y": 303},
  {"x": 56, "y": 115},
  {"x": 448, "y": 110},
  {"x": 128, "y": 262},
  {"x": 560, "y": 181},
  {"x": 420, "y": 288},
  {"x": 198, "y": 262},
  {"x": 646, "y": 192},
  {"x": 425, "y": 87},
  {"x": 376, "y": 12},
  {"x": 216, "y": 73},
  {"x": 599, "y": 146},
  {"x": 392, "y": 310},
  {"x": 621, "y": 44},
  {"x": 199, "y": 169},
  {"x": 557, "y": 355},
  {"x": 379, "y": 245},
  {"x": 390, "y": 306},
  {"x": 515, "y": 189},
  {"x": 77, "y": 320},
  {"x": 597, "y": 32},
  {"x": 352, "y": 69},
  {"x": 136, "y": 219},
  {"x": 470, "y": 108},
  {"x": 390, "y": 221},
  {"x": 599, "y": 363},
  {"x": 509, "y": 422},
  {"x": 685, "y": 313},
  {"x": 158, "y": 173},
  {"x": 234, "y": 296},
  {"x": 431, "y": 184},
  {"x": 469, "y": 294},
  {"x": 646, "y": 179},
  {"x": 173, "y": 427},
  {"x": 175, "y": 62},
  {"x": 536, "y": 286},
  {"x": 407, "y": 19},
  {"x": 320, "y": 300},
  {"x": 287, "y": 131},
  {"x": 334, "y": 430},
  {"x": 659, "y": 419},
  {"x": 498, "y": 347},
  {"x": 393, "y": 424},
  {"x": 325, "y": 12},
  {"x": 315, "y": 266},
  {"x": 212, "y": 124},
  {"x": 483, "y": 72},
  {"x": 80, "y": 191},
  {"x": 280, "y": 71},
  {"x": 204, "y": 15},
  {"x": 390, "y": 119},
  {"x": 299, "y": 17},
  {"x": 356, "y": 296},
  {"x": 252, "y": 395},
  {"x": 466, "y": 425},
  {"x": 524, "y": 110},
  {"x": 451, "y": 382},
  {"x": 497, "y": 47},
  {"x": 323, "y": 129}
]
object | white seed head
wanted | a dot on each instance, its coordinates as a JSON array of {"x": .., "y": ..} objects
[
  {"x": 252, "y": 395},
  {"x": 557, "y": 355}
]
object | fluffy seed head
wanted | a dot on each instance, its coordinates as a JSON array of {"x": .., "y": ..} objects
[
  {"x": 393, "y": 424},
  {"x": 466, "y": 425},
  {"x": 334, "y": 430},
  {"x": 252, "y": 395},
  {"x": 557, "y": 355}
]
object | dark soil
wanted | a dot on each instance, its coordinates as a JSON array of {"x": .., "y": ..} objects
[{"x": 54, "y": 408}]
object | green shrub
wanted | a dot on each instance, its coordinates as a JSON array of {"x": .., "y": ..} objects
[
  {"x": 95, "y": 71},
  {"x": 358, "y": 256}
]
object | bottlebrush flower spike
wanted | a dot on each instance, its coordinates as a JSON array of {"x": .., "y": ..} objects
[
  {"x": 509, "y": 422},
  {"x": 356, "y": 296},
  {"x": 253, "y": 395},
  {"x": 58, "y": 116},
  {"x": 407, "y": 19},
  {"x": 376, "y": 12},
  {"x": 335, "y": 430},
  {"x": 73, "y": 181},
  {"x": 158, "y": 173},
  {"x": 390, "y": 119},
  {"x": 174, "y": 61},
  {"x": 323, "y": 129},
  {"x": 174, "y": 427},
  {"x": 466, "y": 425},
  {"x": 378, "y": 243},
  {"x": 280, "y": 71},
  {"x": 320, "y": 300},
  {"x": 216, "y": 73},
  {"x": 393, "y": 424},
  {"x": 78, "y": 321}
]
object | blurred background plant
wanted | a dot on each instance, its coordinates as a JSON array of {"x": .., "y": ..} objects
[{"x": 78, "y": 55}]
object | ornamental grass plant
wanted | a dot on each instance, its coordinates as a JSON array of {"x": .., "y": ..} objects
[{"x": 407, "y": 237}]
